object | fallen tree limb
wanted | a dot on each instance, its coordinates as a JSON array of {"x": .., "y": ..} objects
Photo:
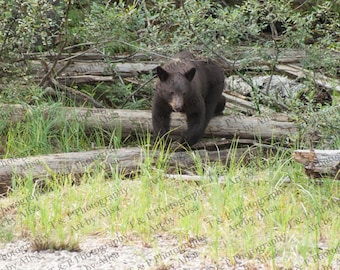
[
  {"x": 137, "y": 122},
  {"x": 128, "y": 160},
  {"x": 319, "y": 163},
  {"x": 70, "y": 92}
]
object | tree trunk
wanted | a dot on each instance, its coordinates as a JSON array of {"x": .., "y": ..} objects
[
  {"x": 133, "y": 122},
  {"x": 128, "y": 160}
]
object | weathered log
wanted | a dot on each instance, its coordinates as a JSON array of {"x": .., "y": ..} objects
[
  {"x": 87, "y": 72},
  {"x": 126, "y": 159},
  {"x": 79, "y": 79},
  {"x": 132, "y": 122},
  {"x": 321, "y": 80},
  {"x": 319, "y": 163},
  {"x": 98, "y": 67},
  {"x": 239, "y": 102}
]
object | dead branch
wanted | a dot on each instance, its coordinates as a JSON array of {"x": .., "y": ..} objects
[{"x": 70, "y": 92}]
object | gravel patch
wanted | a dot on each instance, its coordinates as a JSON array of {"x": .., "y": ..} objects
[{"x": 115, "y": 254}]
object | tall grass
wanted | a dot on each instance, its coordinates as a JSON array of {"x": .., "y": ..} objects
[
  {"x": 267, "y": 210},
  {"x": 42, "y": 133}
]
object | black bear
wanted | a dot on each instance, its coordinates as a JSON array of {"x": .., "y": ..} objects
[{"x": 189, "y": 86}]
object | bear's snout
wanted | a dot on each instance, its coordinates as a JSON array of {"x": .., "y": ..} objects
[
  {"x": 177, "y": 103},
  {"x": 177, "y": 109}
]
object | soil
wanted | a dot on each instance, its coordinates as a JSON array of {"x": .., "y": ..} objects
[{"x": 119, "y": 253}]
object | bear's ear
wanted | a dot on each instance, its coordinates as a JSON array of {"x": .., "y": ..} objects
[
  {"x": 162, "y": 74},
  {"x": 190, "y": 74}
]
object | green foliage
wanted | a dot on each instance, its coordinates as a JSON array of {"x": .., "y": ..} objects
[
  {"x": 33, "y": 25},
  {"x": 165, "y": 28},
  {"x": 320, "y": 61},
  {"x": 28, "y": 26},
  {"x": 118, "y": 23},
  {"x": 157, "y": 24},
  {"x": 326, "y": 23},
  {"x": 320, "y": 128}
]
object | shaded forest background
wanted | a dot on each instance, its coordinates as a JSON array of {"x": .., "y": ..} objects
[
  {"x": 48, "y": 29},
  {"x": 44, "y": 44}
]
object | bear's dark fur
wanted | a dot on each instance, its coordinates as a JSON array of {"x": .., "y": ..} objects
[{"x": 189, "y": 86}]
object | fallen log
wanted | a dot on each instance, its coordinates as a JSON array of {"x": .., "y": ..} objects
[
  {"x": 319, "y": 163},
  {"x": 95, "y": 71},
  {"x": 127, "y": 160},
  {"x": 90, "y": 66},
  {"x": 319, "y": 79},
  {"x": 237, "y": 102},
  {"x": 137, "y": 122}
]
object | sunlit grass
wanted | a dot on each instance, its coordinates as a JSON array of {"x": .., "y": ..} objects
[
  {"x": 268, "y": 199},
  {"x": 237, "y": 217}
]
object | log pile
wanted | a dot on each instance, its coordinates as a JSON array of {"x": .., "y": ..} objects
[
  {"x": 61, "y": 71},
  {"x": 93, "y": 67},
  {"x": 245, "y": 128}
]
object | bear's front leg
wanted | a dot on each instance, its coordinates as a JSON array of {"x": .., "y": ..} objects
[
  {"x": 160, "y": 118},
  {"x": 196, "y": 127}
]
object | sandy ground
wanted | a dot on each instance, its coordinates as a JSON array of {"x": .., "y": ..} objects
[
  {"x": 116, "y": 254},
  {"x": 163, "y": 252}
]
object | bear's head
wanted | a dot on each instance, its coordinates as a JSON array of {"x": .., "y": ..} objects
[{"x": 175, "y": 87}]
